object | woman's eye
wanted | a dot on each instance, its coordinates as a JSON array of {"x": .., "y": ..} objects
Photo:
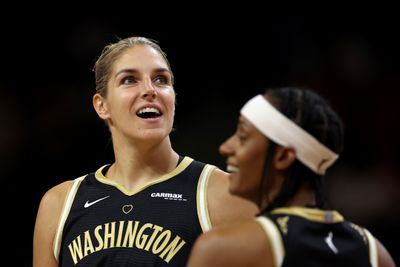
[
  {"x": 128, "y": 80},
  {"x": 161, "y": 80},
  {"x": 242, "y": 138}
]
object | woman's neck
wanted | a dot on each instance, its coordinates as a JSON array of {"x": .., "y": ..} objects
[
  {"x": 305, "y": 196},
  {"x": 135, "y": 165}
]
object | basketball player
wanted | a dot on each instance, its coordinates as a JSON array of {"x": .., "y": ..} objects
[
  {"x": 148, "y": 207},
  {"x": 284, "y": 143}
]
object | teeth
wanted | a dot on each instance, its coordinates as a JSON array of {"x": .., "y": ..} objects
[
  {"x": 147, "y": 110},
  {"x": 231, "y": 168}
]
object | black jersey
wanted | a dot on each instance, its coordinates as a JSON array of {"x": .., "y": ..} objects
[
  {"x": 311, "y": 237},
  {"x": 103, "y": 224}
]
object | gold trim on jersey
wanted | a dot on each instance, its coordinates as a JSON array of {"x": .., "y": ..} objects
[
  {"x": 373, "y": 254},
  {"x": 202, "y": 198},
  {"x": 181, "y": 166},
  {"x": 316, "y": 215},
  {"x": 274, "y": 237},
  {"x": 69, "y": 199}
]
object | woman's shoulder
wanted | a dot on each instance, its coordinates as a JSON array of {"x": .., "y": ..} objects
[
  {"x": 54, "y": 197},
  {"x": 242, "y": 243},
  {"x": 49, "y": 210},
  {"x": 58, "y": 192},
  {"x": 224, "y": 207},
  {"x": 242, "y": 230}
]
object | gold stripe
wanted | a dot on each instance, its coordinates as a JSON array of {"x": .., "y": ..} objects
[
  {"x": 373, "y": 256},
  {"x": 202, "y": 193},
  {"x": 64, "y": 214},
  {"x": 316, "y": 215},
  {"x": 274, "y": 237},
  {"x": 182, "y": 166}
]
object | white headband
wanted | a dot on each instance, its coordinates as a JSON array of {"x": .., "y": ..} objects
[{"x": 285, "y": 132}]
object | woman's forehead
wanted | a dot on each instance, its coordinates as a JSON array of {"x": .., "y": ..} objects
[
  {"x": 141, "y": 56},
  {"x": 245, "y": 123}
]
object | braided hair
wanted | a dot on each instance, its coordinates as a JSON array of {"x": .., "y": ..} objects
[{"x": 312, "y": 113}]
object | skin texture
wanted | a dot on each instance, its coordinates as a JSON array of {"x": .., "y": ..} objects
[
  {"x": 140, "y": 77},
  {"x": 249, "y": 160},
  {"x": 245, "y": 243}
]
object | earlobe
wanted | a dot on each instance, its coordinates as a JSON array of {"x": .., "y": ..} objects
[
  {"x": 100, "y": 106},
  {"x": 284, "y": 157}
]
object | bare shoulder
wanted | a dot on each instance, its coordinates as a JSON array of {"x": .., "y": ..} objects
[
  {"x": 384, "y": 258},
  {"x": 51, "y": 205},
  {"x": 54, "y": 197},
  {"x": 242, "y": 244},
  {"x": 223, "y": 206},
  {"x": 47, "y": 218}
]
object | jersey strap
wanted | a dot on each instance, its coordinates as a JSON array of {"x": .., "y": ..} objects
[
  {"x": 202, "y": 204},
  {"x": 274, "y": 237},
  {"x": 373, "y": 257},
  {"x": 64, "y": 214}
]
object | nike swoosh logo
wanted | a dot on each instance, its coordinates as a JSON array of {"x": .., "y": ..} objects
[
  {"x": 88, "y": 204},
  {"x": 329, "y": 242}
]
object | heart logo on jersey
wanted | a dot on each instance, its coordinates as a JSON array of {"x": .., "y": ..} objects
[{"x": 127, "y": 208}]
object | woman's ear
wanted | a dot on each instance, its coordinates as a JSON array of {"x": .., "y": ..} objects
[
  {"x": 100, "y": 105},
  {"x": 284, "y": 157}
]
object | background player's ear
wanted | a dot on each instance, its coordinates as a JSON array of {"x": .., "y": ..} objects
[{"x": 284, "y": 157}]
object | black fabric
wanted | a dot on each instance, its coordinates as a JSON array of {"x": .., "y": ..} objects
[
  {"x": 160, "y": 218},
  {"x": 306, "y": 244}
]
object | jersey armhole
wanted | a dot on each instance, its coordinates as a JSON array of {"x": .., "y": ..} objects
[
  {"x": 274, "y": 237},
  {"x": 373, "y": 256},
  {"x": 202, "y": 202},
  {"x": 64, "y": 214}
]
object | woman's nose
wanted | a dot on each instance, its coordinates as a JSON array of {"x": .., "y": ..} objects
[
  {"x": 227, "y": 148},
  {"x": 149, "y": 90}
]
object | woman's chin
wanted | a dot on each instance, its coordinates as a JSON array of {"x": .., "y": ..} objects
[{"x": 154, "y": 134}]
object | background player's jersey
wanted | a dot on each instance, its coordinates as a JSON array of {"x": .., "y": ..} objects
[
  {"x": 103, "y": 224},
  {"x": 311, "y": 237}
]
